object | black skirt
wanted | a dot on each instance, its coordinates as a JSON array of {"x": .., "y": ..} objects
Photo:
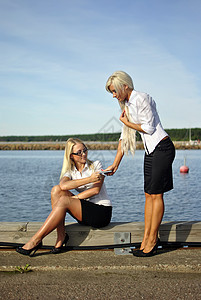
[
  {"x": 95, "y": 215},
  {"x": 158, "y": 168}
]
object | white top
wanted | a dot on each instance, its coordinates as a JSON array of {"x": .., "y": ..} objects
[
  {"x": 102, "y": 198},
  {"x": 142, "y": 109}
]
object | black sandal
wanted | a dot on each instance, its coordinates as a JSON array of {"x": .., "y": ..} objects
[{"x": 59, "y": 249}]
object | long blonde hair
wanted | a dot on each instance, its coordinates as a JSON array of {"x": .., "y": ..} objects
[
  {"x": 68, "y": 163},
  {"x": 121, "y": 79}
]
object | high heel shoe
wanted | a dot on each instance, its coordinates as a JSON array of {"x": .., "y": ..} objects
[
  {"x": 140, "y": 253},
  {"x": 28, "y": 252},
  {"x": 59, "y": 249}
]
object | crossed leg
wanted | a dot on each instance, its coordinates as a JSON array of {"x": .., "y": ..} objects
[{"x": 62, "y": 202}]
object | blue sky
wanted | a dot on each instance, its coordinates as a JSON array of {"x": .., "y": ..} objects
[{"x": 57, "y": 55}]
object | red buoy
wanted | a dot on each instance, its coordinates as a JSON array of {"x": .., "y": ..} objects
[{"x": 184, "y": 169}]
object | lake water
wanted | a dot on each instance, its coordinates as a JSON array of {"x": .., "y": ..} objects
[{"x": 26, "y": 179}]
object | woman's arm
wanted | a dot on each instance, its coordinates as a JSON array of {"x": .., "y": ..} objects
[
  {"x": 67, "y": 184},
  {"x": 95, "y": 190},
  {"x": 117, "y": 161}
]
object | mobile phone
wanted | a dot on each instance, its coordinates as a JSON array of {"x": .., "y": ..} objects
[{"x": 105, "y": 172}]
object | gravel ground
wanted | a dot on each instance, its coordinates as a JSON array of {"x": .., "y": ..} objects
[{"x": 101, "y": 275}]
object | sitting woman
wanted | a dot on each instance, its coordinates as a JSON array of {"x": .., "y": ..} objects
[{"x": 91, "y": 206}]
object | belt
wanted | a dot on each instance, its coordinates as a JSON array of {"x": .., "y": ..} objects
[{"x": 165, "y": 138}]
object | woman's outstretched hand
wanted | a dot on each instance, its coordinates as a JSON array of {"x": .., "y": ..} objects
[{"x": 111, "y": 168}]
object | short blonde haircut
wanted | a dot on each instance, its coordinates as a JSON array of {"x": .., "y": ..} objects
[
  {"x": 119, "y": 80},
  {"x": 68, "y": 163}
]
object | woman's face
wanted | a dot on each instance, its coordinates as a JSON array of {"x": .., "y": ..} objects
[
  {"x": 79, "y": 153},
  {"x": 121, "y": 96}
]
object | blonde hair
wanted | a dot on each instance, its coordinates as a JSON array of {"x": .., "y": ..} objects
[
  {"x": 119, "y": 80},
  {"x": 68, "y": 163}
]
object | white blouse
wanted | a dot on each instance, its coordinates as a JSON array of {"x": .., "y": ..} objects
[
  {"x": 142, "y": 109},
  {"x": 102, "y": 198}
]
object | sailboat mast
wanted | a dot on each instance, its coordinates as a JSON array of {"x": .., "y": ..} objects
[{"x": 189, "y": 134}]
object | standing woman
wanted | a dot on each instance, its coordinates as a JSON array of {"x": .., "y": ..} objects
[
  {"x": 91, "y": 206},
  {"x": 139, "y": 114}
]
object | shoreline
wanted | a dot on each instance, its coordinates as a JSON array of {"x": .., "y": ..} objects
[{"x": 179, "y": 145}]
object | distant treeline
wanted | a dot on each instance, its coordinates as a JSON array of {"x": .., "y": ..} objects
[
  {"x": 175, "y": 134},
  {"x": 184, "y": 134}
]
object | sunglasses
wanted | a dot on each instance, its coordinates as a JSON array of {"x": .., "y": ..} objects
[{"x": 80, "y": 152}]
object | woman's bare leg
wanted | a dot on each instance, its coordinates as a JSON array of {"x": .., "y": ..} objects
[
  {"x": 56, "y": 193},
  {"x": 57, "y": 215},
  {"x": 157, "y": 215},
  {"x": 147, "y": 219}
]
